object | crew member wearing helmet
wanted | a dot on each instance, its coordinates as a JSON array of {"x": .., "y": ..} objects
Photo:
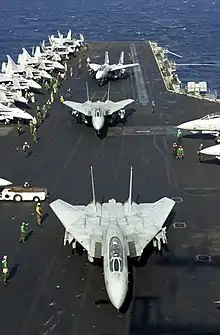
[
  {"x": 5, "y": 269},
  {"x": 19, "y": 128},
  {"x": 38, "y": 113},
  {"x": 180, "y": 153},
  {"x": 26, "y": 148},
  {"x": 174, "y": 149},
  {"x": 38, "y": 211},
  {"x": 26, "y": 185},
  {"x": 199, "y": 153},
  {"x": 153, "y": 106},
  {"x": 23, "y": 232},
  {"x": 179, "y": 136}
]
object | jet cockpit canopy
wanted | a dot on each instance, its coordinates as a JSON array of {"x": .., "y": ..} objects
[
  {"x": 97, "y": 113},
  {"x": 211, "y": 116},
  {"x": 115, "y": 255},
  {"x": 102, "y": 68}
]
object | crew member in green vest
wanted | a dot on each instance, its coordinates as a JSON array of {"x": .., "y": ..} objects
[
  {"x": 23, "y": 232},
  {"x": 180, "y": 152}
]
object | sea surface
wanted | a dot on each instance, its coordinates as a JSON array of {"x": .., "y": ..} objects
[{"x": 190, "y": 28}]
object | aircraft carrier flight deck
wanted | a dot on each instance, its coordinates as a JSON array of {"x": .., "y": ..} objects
[{"x": 52, "y": 291}]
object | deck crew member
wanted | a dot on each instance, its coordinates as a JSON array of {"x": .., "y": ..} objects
[
  {"x": 68, "y": 93},
  {"x": 46, "y": 86},
  {"x": 32, "y": 97},
  {"x": 26, "y": 185},
  {"x": 19, "y": 128},
  {"x": 180, "y": 152},
  {"x": 39, "y": 120},
  {"x": 61, "y": 99},
  {"x": 26, "y": 148},
  {"x": 55, "y": 88},
  {"x": 51, "y": 97},
  {"x": 174, "y": 149},
  {"x": 5, "y": 269},
  {"x": 199, "y": 153},
  {"x": 179, "y": 135},
  {"x": 48, "y": 104},
  {"x": 71, "y": 71},
  {"x": 44, "y": 113},
  {"x": 35, "y": 134},
  {"x": 34, "y": 121},
  {"x": 153, "y": 106},
  {"x": 31, "y": 126},
  {"x": 38, "y": 211},
  {"x": 23, "y": 232}
]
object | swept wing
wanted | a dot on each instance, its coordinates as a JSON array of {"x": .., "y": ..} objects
[
  {"x": 82, "y": 108},
  {"x": 88, "y": 226},
  {"x": 110, "y": 107},
  {"x": 73, "y": 219},
  {"x": 145, "y": 222},
  {"x": 117, "y": 67},
  {"x": 94, "y": 66}
]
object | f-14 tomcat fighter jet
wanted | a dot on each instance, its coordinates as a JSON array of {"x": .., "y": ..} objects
[
  {"x": 214, "y": 150},
  {"x": 98, "y": 112},
  {"x": 108, "y": 71},
  {"x": 208, "y": 124},
  {"x": 114, "y": 231}
]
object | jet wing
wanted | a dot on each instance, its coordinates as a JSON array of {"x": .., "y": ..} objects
[
  {"x": 111, "y": 107},
  {"x": 79, "y": 107},
  {"x": 144, "y": 223},
  {"x": 94, "y": 66},
  {"x": 118, "y": 67},
  {"x": 82, "y": 223},
  {"x": 4, "y": 78}
]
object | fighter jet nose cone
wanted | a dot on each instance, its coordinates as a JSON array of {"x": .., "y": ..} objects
[
  {"x": 190, "y": 125},
  {"x": 98, "y": 123},
  {"x": 34, "y": 85},
  {"x": 98, "y": 75},
  {"x": 117, "y": 293},
  {"x": 213, "y": 150},
  {"x": 182, "y": 126},
  {"x": 60, "y": 66}
]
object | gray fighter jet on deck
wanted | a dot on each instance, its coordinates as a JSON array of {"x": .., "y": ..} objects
[
  {"x": 114, "y": 231},
  {"x": 98, "y": 112},
  {"x": 107, "y": 71}
]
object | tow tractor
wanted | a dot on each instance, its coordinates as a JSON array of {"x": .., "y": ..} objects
[{"x": 21, "y": 193}]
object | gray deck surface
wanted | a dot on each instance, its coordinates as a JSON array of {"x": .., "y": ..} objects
[{"x": 53, "y": 292}]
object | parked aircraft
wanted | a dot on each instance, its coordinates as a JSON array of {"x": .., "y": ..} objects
[
  {"x": 114, "y": 231},
  {"x": 13, "y": 71},
  {"x": 11, "y": 94},
  {"x": 209, "y": 124},
  {"x": 98, "y": 112},
  {"x": 38, "y": 60},
  {"x": 214, "y": 150},
  {"x": 107, "y": 71},
  {"x": 68, "y": 40},
  {"x": 10, "y": 112}
]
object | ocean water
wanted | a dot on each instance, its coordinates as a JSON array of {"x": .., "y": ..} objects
[{"x": 190, "y": 28}]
